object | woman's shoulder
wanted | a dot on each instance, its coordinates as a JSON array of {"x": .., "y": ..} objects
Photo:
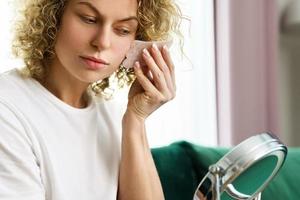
[
  {"x": 9, "y": 77},
  {"x": 12, "y": 84}
]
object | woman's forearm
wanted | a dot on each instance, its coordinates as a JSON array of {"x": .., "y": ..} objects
[{"x": 138, "y": 179}]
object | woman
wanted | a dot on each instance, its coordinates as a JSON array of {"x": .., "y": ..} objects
[{"x": 57, "y": 140}]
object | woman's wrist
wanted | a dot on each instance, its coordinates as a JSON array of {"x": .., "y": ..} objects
[
  {"x": 133, "y": 128},
  {"x": 131, "y": 117}
]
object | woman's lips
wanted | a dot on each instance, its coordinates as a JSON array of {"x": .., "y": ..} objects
[{"x": 94, "y": 63}]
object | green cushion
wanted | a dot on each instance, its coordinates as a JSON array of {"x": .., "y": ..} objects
[
  {"x": 174, "y": 168},
  {"x": 286, "y": 184},
  {"x": 182, "y": 165}
]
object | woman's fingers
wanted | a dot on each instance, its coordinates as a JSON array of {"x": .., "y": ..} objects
[
  {"x": 158, "y": 57},
  {"x": 155, "y": 82},
  {"x": 158, "y": 76},
  {"x": 162, "y": 77},
  {"x": 144, "y": 79},
  {"x": 167, "y": 57}
]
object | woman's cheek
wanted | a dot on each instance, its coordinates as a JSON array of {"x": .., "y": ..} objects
[{"x": 121, "y": 50}]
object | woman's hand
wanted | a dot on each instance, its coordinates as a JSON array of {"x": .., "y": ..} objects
[{"x": 154, "y": 84}]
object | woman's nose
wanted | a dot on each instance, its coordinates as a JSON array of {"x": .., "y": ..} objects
[{"x": 102, "y": 39}]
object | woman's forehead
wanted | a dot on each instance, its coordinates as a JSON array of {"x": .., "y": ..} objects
[{"x": 122, "y": 8}]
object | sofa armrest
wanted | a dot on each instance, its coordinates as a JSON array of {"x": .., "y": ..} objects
[{"x": 174, "y": 167}]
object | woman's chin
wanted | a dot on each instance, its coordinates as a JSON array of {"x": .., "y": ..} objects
[{"x": 90, "y": 78}]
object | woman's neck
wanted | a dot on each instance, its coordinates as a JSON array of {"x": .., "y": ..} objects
[{"x": 66, "y": 87}]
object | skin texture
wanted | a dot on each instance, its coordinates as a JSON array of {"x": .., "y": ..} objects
[{"x": 97, "y": 28}]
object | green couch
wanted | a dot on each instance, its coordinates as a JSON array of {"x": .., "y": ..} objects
[{"x": 182, "y": 165}]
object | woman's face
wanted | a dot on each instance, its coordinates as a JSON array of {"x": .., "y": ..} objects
[{"x": 94, "y": 37}]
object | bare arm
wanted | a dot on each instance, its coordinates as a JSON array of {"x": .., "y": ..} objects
[
  {"x": 155, "y": 85},
  {"x": 138, "y": 175}
]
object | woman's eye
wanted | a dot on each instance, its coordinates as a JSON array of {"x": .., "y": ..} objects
[
  {"x": 88, "y": 20},
  {"x": 123, "y": 31}
]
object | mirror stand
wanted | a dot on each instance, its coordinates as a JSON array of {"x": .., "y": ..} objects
[{"x": 217, "y": 173}]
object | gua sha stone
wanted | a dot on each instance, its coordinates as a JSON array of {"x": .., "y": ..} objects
[{"x": 135, "y": 52}]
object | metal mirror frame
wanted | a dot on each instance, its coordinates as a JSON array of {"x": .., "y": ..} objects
[{"x": 238, "y": 160}]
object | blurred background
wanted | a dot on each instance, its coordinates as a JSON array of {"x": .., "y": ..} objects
[
  {"x": 289, "y": 69},
  {"x": 239, "y": 76}
]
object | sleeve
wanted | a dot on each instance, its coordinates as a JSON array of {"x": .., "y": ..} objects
[{"x": 19, "y": 170}]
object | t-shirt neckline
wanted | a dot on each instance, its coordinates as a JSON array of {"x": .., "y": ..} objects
[{"x": 54, "y": 99}]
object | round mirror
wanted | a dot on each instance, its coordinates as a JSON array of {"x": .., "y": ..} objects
[{"x": 244, "y": 171}]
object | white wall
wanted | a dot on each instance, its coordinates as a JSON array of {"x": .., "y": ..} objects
[
  {"x": 191, "y": 115},
  {"x": 7, "y": 15}
]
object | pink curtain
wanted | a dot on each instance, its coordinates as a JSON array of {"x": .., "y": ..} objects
[{"x": 246, "y": 57}]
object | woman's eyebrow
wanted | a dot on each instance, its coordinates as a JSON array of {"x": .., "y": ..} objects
[
  {"x": 128, "y": 19},
  {"x": 96, "y": 10}
]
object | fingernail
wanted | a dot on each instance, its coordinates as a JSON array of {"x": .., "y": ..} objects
[
  {"x": 137, "y": 64},
  {"x": 146, "y": 52},
  {"x": 154, "y": 46},
  {"x": 165, "y": 48}
]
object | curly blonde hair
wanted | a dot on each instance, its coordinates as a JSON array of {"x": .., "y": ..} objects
[{"x": 36, "y": 33}]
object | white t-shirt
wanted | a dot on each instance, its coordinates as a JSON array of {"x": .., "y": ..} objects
[{"x": 51, "y": 150}]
